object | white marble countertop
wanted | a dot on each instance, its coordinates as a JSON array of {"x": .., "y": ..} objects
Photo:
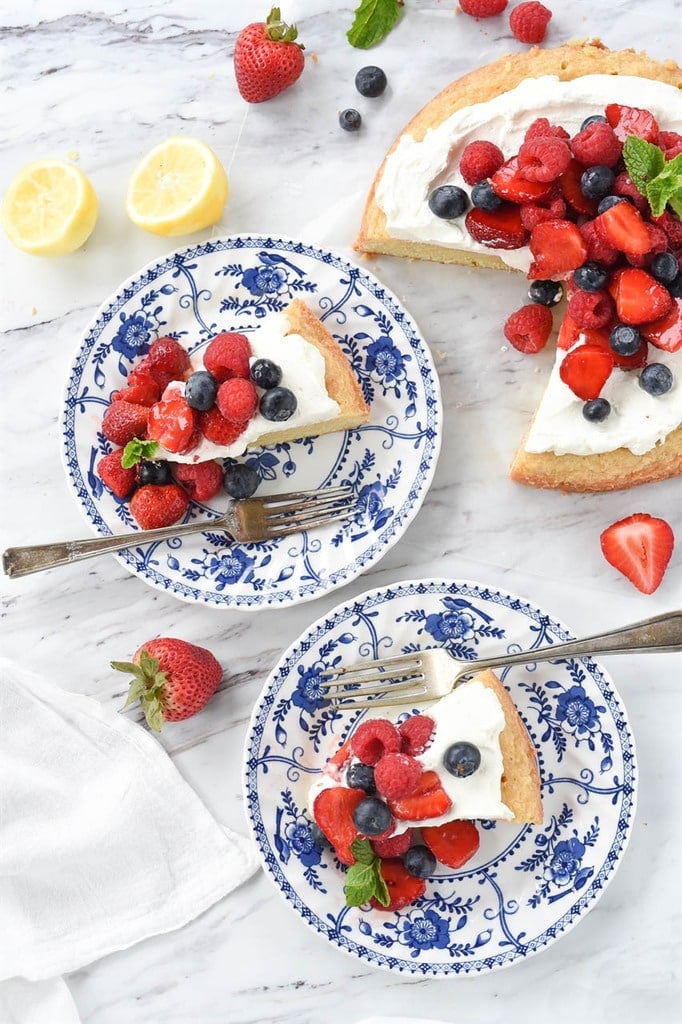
[{"x": 106, "y": 83}]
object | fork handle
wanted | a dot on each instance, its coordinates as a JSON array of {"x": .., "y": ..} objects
[
  {"x": 661, "y": 633},
  {"x": 26, "y": 560}
]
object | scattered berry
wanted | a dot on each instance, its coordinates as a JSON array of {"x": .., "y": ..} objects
[
  {"x": 217, "y": 429},
  {"x": 200, "y": 390},
  {"x": 482, "y": 8},
  {"x": 666, "y": 333},
  {"x": 656, "y": 379},
  {"x": 403, "y": 888},
  {"x": 622, "y": 227},
  {"x": 124, "y": 421},
  {"x": 174, "y": 424},
  {"x": 397, "y": 775},
  {"x": 546, "y": 293},
  {"x": 415, "y": 734},
  {"x": 608, "y": 201},
  {"x": 370, "y": 81},
  {"x": 529, "y": 328},
  {"x": 664, "y": 267},
  {"x": 535, "y": 213},
  {"x": 541, "y": 127},
  {"x": 631, "y": 121},
  {"x": 120, "y": 481},
  {"x": 241, "y": 481},
  {"x": 591, "y": 119},
  {"x": 419, "y": 861},
  {"x": 266, "y": 374},
  {"x": 448, "y": 201},
  {"x": 497, "y": 229},
  {"x": 623, "y": 185},
  {"x": 462, "y": 759},
  {"x": 373, "y": 739},
  {"x": 625, "y": 340},
  {"x": 372, "y": 817},
  {"x": 361, "y": 776},
  {"x": 557, "y": 247},
  {"x": 640, "y": 547},
  {"x": 480, "y": 160},
  {"x": 585, "y": 370},
  {"x": 142, "y": 393},
  {"x": 429, "y": 800},
  {"x": 278, "y": 404},
  {"x": 267, "y": 60},
  {"x": 639, "y": 297},
  {"x": 201, "y": 480},
  {"x": 510, "y": 183},
  {"x": 596, "y": 410},
  {"x": 227, "y": 355},
  {"x": 350, "y": 120},
  {"x": 453, "y": 843},
  {"x": 529, "y": 21},
  {"x": 152, "y": 506},
  {"x": 237, "y": 399}
]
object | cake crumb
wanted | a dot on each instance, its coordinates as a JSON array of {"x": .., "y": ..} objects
[{"x": 73, "y": 155}]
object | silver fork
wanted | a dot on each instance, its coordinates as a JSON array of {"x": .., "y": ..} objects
[
  {"x": 253, "y": 519},
  {"x": 429, "y": 674}
]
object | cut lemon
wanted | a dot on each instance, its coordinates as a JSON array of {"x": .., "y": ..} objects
[
  {"x": 177, "y": 188},
  {"x": 49, "y": 209}
]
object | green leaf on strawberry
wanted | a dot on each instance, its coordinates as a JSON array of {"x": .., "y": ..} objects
[
  {"x": 373, "y": 20},
  {"x": 364, "y": 878},
  {"x": 659, "y": 181},
  {"x": 147, "y": 686},
  {"x": 136, "y": 450}
]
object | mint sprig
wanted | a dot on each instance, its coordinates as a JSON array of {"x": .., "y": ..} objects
[
  {"x": 372, "y": 21},
  {"x": 136, "y": 450},
  {"x": 364, "y": 878},
  {"x": 657, "y": 179}
]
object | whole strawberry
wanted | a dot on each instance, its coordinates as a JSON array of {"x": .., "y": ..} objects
[
  {"x": 266, "y": 58},
  {"x": 172, "y": 679}
]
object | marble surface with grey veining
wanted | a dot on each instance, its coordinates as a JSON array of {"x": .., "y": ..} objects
[{"x": 102, "y": 84}]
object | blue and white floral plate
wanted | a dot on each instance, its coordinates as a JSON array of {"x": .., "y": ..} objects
[
  {"x": 231, "y": 284},
  {"x": 527, "y": 885}
]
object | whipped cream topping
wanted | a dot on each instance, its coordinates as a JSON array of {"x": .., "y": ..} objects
[
  {"x": 414, "y": 168},
  {"x": 303, "y": 372}
]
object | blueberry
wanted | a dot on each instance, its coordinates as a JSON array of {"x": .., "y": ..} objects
[
  {"x": 372, "y": 816},
  {"x": 419, "y": 861},
  {"x": 483, "y": 196},
  {"x": 664, "y": 267},
  {"x": 448, "y": 201},
  {"x": 546, "y": 293},
  {"x": 609, "y": 201},
  {"x": 656, "y": 379},
  {"x": 278, "y": 404},
  {"x": 591, "y": 119},
  {"x": 370, "y": 81},
  {"x": 361, "y": 776},
  {"x": 591, "y": 276},
  {"x": 596, "y": 410},
  {"x": 240, "y": 480},
  {"x": 317, "y": 835},
  {"x": 350, "y": 120},
  {"x": 596, "y": 182},
  {"x": 200, "y": 390},
  {"x": 151, "y": 472},
  {"x": 265, "y": 373},
  {"x": 462, "y": 759},
  {"x": 625, "y": 340}
]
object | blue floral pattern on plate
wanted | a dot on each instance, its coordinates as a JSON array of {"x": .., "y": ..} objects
[
  {"x": 527, "y": 885},
  {"x": 231, "y": 284}
]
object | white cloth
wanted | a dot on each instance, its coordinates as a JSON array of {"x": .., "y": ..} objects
[{"x": 102, "y": 842}]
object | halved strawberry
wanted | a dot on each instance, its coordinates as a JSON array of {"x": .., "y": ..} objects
[
  {"x": 640, "y": 298},
  {"x": 428, "y": 800},
  {"x": 139, "y": 394},
  {"x": 631, "y": 121},
  {"x": 339, "y": 760},
  {"x": 569, "y": 183},
  {"x": 557, "y": 247},
  {"x": 333, "y": 812},
  {"x": 508, "y": 183},
  {"x": 173, "y": 423},
  {"x": 666, "y": 333},
  {"x": 498, "y": 229},
  {"x": 453, "y": 843},
  {"x": 622, "y": 227},
  {"x": 403, "y": 888},
  {"x": 585, "y": 370},
  {"x": 640, "y": 547},
  {"x": 570, "y": 332}
]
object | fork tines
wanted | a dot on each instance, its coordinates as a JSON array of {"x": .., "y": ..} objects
[
  {"x": 306, "y": 497},
  {"x": 288, "y": 513},
  {"x": 401, "y": 673}
]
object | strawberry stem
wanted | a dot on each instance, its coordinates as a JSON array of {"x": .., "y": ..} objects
[
  {"x": 147, "y": 685},
  {"x": 278, "y": 31}
]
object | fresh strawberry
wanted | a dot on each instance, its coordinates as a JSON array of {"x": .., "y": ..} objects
[
  {"x": 373, "y": 739},
  {"x": 403, "y": 888},
  {"x": 174, "y": 424},
  {"x": 123, "y": 421},
  {"x": 640, "y": 298},
  {"x": 666, "y": 333},
  {"x": 120, "y": 481},
  {"x": 498, "y": 229},
  {"x": 227, "y": 355},
  {"x": 631, "y": 121},
  {"x": 333, "y": 812},
  {"x": 139, "y": 394},
  {"x": 557, "y": 247},
  {"x": 339, "y": 760},
  {"x": 154, "y": 505},
  {"x": 569, "y": 183},
  {"x": 570, "y": 332},
  {"x": 510, "y": 183},
  {"x": 267, "y": 60},
  {"x": 640, "y": 547},
  {"x": 172, "y": 679},
  {"x": 394, "y": 846},
  {"x": 622, "y": 227},
  {"x": 428, "y": 800},
  {"x": 217, "y": 429},
  {"x": 415, "y": 734},
  {"x": 453, "y": 843},
  {"x": 397, "y": 775},
  {"x": 167, "y": 356},
  {"x": 529, "y": 328},
  {"x": 585, "y": 370},
  {"x": 201, "y": 480}
]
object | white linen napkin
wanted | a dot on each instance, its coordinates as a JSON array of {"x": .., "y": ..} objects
[{"x": 102, "y": 842}]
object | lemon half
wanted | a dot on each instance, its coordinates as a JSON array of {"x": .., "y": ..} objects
[
  {"x": 49, "y": 209},
  {"x": 179, "y": 187}
]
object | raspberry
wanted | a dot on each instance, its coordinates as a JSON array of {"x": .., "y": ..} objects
[
  {"x": 201, "y": 480},
  {"x": 120, "y": 481},
  {"x": 543, "y": 158},
  {"x": 397, "y": 775},
  {"x": 416, "y": 732},
  {"x": 237, "y": 399},
  {"x": 529, "y": 328},
  {"x": 541, "y": 126},
  {"x": 597, "y": 248},
  {"x": 670, "y": 143},
  {"x": 591, "y": 309},
  {"x": 394, "y": 846},
  {"x": 533, "y": 213},
  {"x": 482, "y": 8},
  {"x": 480, "y": 160},
  {"x": 123, "y": 421},
  {"x": 597, "y": 144},
  {"x": 529, "y": 22},
  {"x": 672, "y": 226},
  {"x": 373, "y": 739},
  {"x": 166, "y": 355},
  {"x": 217, "y": 429},
  {"x": 227, "y": 356},
  {"x": 623, "y": 185}
]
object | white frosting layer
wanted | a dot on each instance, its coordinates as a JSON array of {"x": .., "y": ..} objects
[
  {"x": 414, "y": 169},
  {"x": 303, "y": 372}
]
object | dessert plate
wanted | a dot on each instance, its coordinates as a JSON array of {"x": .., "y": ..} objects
[
  {"x": 527, "y": 885},
  {"x": 232, "y": 284}
]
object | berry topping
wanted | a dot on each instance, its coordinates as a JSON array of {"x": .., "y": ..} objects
[
  {"x": 497, "y": 229},
  {"x": 173, "y": 423},
  {"x": 403, "y": 888},
  {"x": 543, "y": 158},
  {"x": 482, "y": 8},
  {"x": 397, "y": 775},
  {"x": 370, "y": 81},
  {"x": 623, "y": 228},
  {"x": 419, "y": 861},
  {"x": 570, "y": 185},
  {"x": 448, "y": 201},
  {"x": 361, "y": 776},
  {"x": 142, "y": 393},
  {"x": 596, "y": 410},
  {"x": 333, "y": 812},
  {"x": 201, "y": 480},
  {"x": 241, "y": 481},
  {"x": 484, "y": 197},
  {"x": 591, "y": 309},
  {"x": 529, "y": 328},
  {"x": 639, "y": 297},
  {"x": 372, "y": 817},
  {"x": 656, "y": 379},
  {"x": 664, "y": 267},
  {"x": 266, "y": 374},
  {"x": 597, "y": 144},
  {"x": 120, "y": 481},
  {"x": 509, "y": 183},
  {"x": 152, "y": 471},
  {"x": 480, "y": 160},
  {"x": 415, "y": 734},
  {"x": 640, "y": 547},
  {"x": 373, "y": 739},
  {"x": 278, "y": 404},
  {"x": 462, "y": 759},
  {"x": 585, "y": 369},
  {"x": 529, "y": 21},
  {"x": 123, "y": 421},
  {"x": 394, "y": 846},
  {"x": 666, "y": 333},
  {"x": 631, "y": 121},
  {"x": 200, "y": 390},
  {"x": 267, "y": 60},
  {"x": 541, "y": 127},
  {"x": 557, "y": 247},
  {"x": 625, "y": 340},
  {"x": 167, "y": 356},
  {"x": 153, "y": 506},
  {"x": 227, "y": 355},
  {"x": 429, "y": 800},
  {"x": 237, "y": 399},
  {"x": 217, "y": 429},
  {"x": 591, "y": 119},
  {"x": 546, "y": 293},
  {"x": 597, "y": 182},
  {"x": 453, "y": 843},
  {"x": 350, "y": 120},
  {"x": 591, "y": 277}
]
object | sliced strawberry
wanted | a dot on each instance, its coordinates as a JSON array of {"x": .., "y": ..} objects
[
  {"x": 666, "y": 333},
  {"x": 453, "y": 843},
  {"x": 640, "y": 298},
  {"x": 403, "y": 888},
  {"x": 508, "y": 183},
  {"x": 585, "y": 370},
  {"x": 143, "y": 393},
  {"x": 631, "y": 121},
  {"x": 570, "y": 332},
  {"x": 333, "y": 812},
  {"x": 340, "y": 759},
  {"x": 569, "y": 183},
  {"x": 173, "y": 423},
  {"x": 429, "y": 800},
  {"x": 640, "y": 547},
  {"x": 622, "y": 227},
  {"x": 557, "y": 247},
  {"x": 498, "y": 229}
]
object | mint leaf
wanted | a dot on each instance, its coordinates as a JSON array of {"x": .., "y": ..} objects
[
  {"x": 364, "y": 878},
  {"x": 643, "y": 161},
  {"x": 362, "y": 851},
  {"x": 136, "y": 450},
  {"x": 373, "y": 20},
  {"x": 381, "y": 888}
]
